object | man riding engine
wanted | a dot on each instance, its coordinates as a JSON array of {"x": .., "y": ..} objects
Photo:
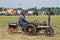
[{"x": 22, "y": 20}]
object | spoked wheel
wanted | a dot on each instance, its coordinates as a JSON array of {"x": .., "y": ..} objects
[
  {"x": 11, "y": 30},
  {"x": 30, "y": 29},
  {"x": 49, "y": 32}
]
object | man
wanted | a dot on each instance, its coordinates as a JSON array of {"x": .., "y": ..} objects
[{"x": 22, "y": 20}]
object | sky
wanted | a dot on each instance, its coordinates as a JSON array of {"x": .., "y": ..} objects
[{"x": 25, "y": 4}]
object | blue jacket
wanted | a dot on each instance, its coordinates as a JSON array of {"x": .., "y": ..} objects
[
  {"x": 21, "y": 21},
  {"x": 21, "y": 18}
]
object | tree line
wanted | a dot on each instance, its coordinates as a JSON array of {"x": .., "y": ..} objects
[{"x": 32, "y": 9}]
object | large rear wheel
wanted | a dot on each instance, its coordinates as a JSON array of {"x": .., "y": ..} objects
[{"x": 30, "y": 29}]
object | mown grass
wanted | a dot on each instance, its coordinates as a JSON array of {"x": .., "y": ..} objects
[{"x": 55, "y": 22}]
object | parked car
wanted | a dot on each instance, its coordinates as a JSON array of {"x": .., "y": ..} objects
[{"x": 30, "y": 12}]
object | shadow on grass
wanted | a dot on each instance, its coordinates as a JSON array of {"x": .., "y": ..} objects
[{"x": 38, "y": 34}]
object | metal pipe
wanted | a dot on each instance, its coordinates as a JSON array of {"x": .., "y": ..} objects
[{"x": 49, "y": 16}]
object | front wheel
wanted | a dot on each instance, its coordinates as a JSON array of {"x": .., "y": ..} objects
[{"x": 49, "y": 32}]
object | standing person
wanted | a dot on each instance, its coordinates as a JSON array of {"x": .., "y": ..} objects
[{"x": 22, "y": 20}]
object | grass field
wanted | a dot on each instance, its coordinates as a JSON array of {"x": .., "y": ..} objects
[{"x": 55, "y": 22}]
